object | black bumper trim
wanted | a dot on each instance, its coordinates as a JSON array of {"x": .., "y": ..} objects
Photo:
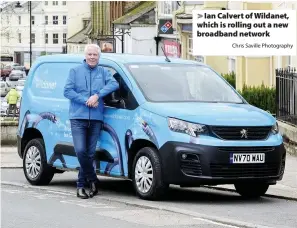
[{"x": 171, "y": 152}]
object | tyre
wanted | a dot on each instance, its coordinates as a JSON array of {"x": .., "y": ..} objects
[
  {"x": 147, "y": 175},
  {"x": 252, "y": 190},
  {"x": 35, "y": 166}
]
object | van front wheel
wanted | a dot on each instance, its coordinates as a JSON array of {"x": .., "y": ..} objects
[
  {"x": 147, "y": 175},
  {"x": 252, "y": 190},
  {"x": 35, "y": 166}
]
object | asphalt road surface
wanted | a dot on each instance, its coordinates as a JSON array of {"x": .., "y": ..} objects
[{"x": 117, "y": 206}]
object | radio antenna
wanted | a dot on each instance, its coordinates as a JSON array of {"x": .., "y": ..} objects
[{"x": 167, "y": 59}]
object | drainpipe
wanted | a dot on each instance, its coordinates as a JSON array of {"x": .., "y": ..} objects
[{"x": 157, "y": 39}]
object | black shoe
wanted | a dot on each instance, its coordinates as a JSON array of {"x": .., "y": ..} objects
[
  {"x": 93, "y": 189},
  {"x": 81, "y": 193}
]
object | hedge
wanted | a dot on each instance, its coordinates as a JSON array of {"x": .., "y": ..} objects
[{"x": 262, "y": 96}]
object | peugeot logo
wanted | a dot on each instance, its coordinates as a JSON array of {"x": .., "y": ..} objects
[{"x": 244, "y": 133}]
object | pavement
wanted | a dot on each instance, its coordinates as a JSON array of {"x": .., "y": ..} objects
[{"x": 286, "y": 188}]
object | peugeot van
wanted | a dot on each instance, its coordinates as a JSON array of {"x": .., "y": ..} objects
[{"x": 171, "y": 122}]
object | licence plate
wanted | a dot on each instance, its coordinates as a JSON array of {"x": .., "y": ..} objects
[{"x": 247, "y": 158}]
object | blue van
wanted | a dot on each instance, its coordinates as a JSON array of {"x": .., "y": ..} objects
[{"x": 170, "y": 122}]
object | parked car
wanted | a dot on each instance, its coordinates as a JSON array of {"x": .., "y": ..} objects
[
  {"x": 15, "y": 75},
  {"x": 19, "y": 70},
  {"x": 4, "y": 88},
  {"x": 170, "y": 122}
]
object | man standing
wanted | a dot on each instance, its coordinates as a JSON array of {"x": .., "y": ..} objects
[
  {"x": 12, "y": 98},
  {"x": 85, "y": 87}
]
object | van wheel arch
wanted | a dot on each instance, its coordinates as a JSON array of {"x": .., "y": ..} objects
[
  {"x": 29, "y": 134},
  {"x": 137, "y": 145}
]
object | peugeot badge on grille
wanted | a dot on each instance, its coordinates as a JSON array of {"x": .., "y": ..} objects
[{"x": 244, "y": 133}]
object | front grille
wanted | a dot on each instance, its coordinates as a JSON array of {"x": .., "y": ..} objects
[
  {"x": 238, "y": 133},
  {"x": 191, "y": 165},
  {"x": 244, "y": 170}
]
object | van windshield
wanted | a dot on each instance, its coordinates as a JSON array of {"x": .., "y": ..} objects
[{"x": 182, "y": 83}]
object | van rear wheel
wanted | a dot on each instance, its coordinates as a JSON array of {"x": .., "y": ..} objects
[
  {"x": 252, "y": 190},
  {"x": 147, "y": 175},
  {"x": 35, "y": 166}
]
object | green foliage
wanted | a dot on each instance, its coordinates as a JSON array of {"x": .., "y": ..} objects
[
  {"x": 262, "y": 97},
  {"x": 230, "y": 78}
]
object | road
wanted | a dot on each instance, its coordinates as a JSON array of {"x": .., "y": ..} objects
[
  {"x": 27, "y": 208},
  {"x": 183, "y": 207}
]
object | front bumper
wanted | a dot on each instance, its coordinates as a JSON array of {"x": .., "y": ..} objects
[{"x": 209, "y": 165}]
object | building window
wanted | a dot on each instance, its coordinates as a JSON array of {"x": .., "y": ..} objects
[
  {"x": 64, "y": 3},
  {"x": 64, "y": 20},
  {"x": 232, "y": 64},
  {"x": 46, "y": 3},
  {"x": 32, "y": 20},
  {"x": 46, "y": 38},
  {"x": 7, "y": 37},
  {"x": 168, "y": 7},
  {"x": 20, "y": 20},
  {"x": 55, "y": 3},
  {"x": 55, "y": 20},
  {"x": 46, "y": 20},
  {"x": 33, "y": 38},
  {"x": 64, "y": 38},
  {"x": 55, "y": 38},
  {"x": 20, "y": 37}
]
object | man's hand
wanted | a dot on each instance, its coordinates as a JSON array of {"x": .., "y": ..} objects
[
  {"x": 95, "y": 105},
  {"x": 92, "y": 100}
]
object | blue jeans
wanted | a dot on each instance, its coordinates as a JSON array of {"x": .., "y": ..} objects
[{"x": 85, "y": 134}]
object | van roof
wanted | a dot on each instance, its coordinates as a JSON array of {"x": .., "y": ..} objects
[{"x": 116, "y": 57}]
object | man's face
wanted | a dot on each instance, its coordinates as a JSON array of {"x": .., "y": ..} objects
[{"x": 92, "y": 56}]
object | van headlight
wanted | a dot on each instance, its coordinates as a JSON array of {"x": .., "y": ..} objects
[
  {"x": 191, "y": 129},
  {"x": 275, "y": 128}
]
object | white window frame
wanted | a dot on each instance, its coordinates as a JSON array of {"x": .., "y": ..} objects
[
  {"x": 46, "y": 38},
  {"x": 166, "y": 8},
  {"x": 231, "y": 60},
  {"x": 55, "y": 19},
  {"x": 64, "y": 19},
  {"x": 56, "y": 38},
  {"x": 46, "y": 19},
  {"x": 33, "y": 38},
  {"x": 55, "y": 3},
  {"x": 32, "y": 20},
  {"x": 20, "y": 20},
  {"x": 20, "y": 37},
  {"x": 64, "y": 38}
]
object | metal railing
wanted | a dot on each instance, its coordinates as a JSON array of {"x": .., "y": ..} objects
[{"x": 286, "y": 94}]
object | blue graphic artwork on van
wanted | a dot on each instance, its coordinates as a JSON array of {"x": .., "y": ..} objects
[{"x": 35, "y": 119}]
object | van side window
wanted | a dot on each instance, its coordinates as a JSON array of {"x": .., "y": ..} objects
[
  {"x": 123, "y": 96},
  {"x": 50, "y": 78}
]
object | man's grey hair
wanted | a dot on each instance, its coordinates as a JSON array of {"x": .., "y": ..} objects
[{"x": 94, "y": 46}]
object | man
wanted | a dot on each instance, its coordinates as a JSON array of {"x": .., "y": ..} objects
[
  {"x": 86, "y": 86},
  {"x": 12, "y": 98}
]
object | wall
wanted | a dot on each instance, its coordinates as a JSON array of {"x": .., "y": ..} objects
[
  {"x": 142, "y": 40},
  {"x": 77, "y": 10},
  {"x": 9, "y": 133}
]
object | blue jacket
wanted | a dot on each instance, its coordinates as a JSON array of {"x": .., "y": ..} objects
[{"x": 83, "y": 82}]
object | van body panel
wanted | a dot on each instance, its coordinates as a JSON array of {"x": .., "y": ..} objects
[{"x": 132, "y": 118}]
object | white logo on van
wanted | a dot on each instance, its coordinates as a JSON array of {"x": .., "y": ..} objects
[{"x": 43, "y": 84}]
